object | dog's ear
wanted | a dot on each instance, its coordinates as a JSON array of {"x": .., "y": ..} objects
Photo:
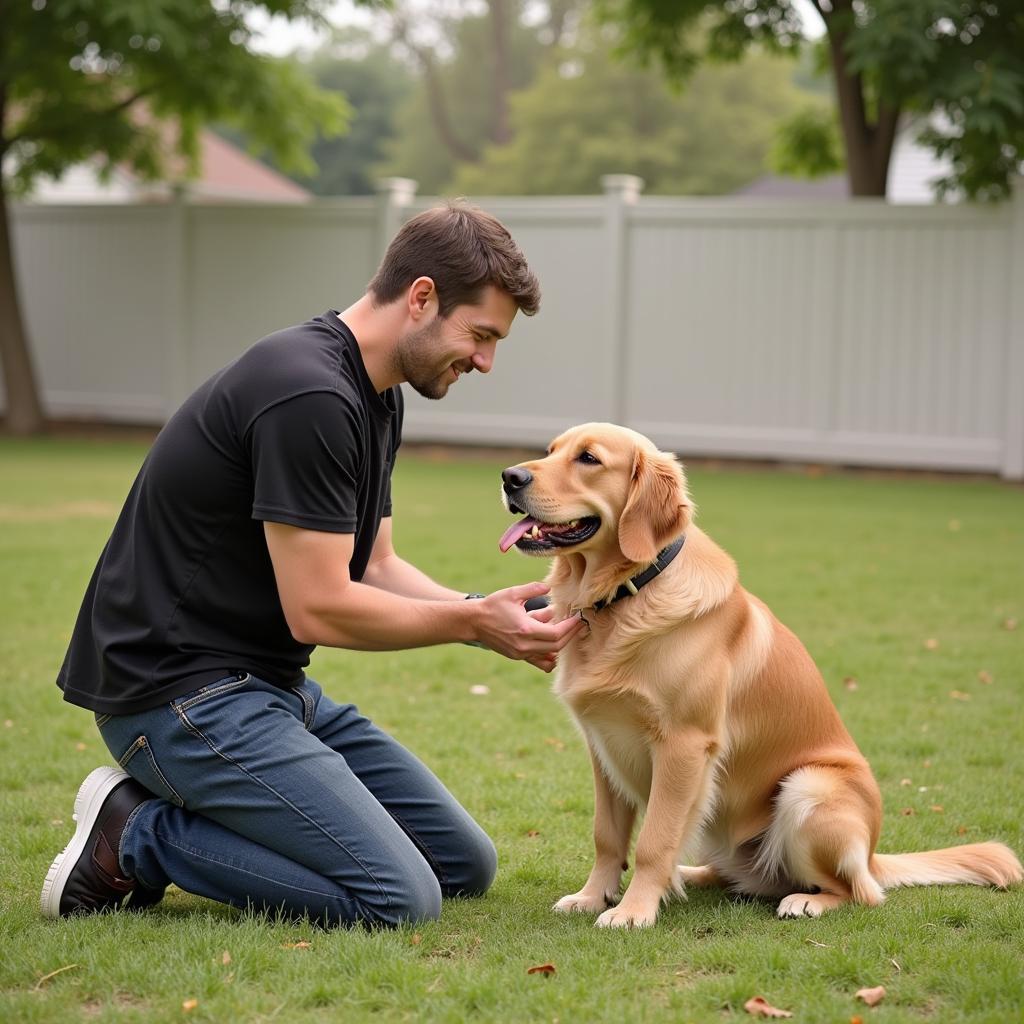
[{"x": 657, "y": 507}]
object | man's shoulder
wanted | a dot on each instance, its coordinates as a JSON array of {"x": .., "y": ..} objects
[{"x": 309, "y": 358}]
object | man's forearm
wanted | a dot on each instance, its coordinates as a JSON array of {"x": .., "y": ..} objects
[
  {"x": 366, "y": 617},
  {"x": 398, "y": 576}
]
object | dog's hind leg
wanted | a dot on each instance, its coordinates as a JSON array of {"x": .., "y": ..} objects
[{"x": 822, "y": 836}]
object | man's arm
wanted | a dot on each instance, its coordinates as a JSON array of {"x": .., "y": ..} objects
[
  {"x": 387, "y": 571},
  {"x": 323, "y": 606}
]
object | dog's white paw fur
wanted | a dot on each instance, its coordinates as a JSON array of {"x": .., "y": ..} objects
[
  {"x": 803, "y": 904},
  {"x": 582, "y": 902},
  {"x": 625, "y": 917}
]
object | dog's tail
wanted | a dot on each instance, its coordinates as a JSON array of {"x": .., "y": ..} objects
[{"x": 975, "y": 864}]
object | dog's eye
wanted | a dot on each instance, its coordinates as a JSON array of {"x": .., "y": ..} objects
[{"x": 588, "y": 458}]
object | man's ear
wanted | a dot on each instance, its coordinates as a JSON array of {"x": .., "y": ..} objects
[
  {"x": 422, "y": 297},
  {"x": 657, "y": 507}
]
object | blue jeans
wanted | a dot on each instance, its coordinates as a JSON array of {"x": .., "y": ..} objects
[{"x": 283, "y": 801}]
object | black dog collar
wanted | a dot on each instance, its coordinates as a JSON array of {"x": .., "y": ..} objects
[{"x": 641, "y": 579}]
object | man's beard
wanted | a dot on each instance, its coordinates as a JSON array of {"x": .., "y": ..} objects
[{"x": 416, "y": 358}]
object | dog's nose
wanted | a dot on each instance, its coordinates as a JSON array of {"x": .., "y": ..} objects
[{"x": 515, "y": 478}]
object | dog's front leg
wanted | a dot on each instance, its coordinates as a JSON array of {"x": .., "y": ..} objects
[
  {"x": 613, "y": 826},
  {"x": 681, "y": 766}
]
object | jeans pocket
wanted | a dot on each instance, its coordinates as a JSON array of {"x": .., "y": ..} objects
[
  {"x": 234, "y": 681},
  {"x": 140, "y": 763}
]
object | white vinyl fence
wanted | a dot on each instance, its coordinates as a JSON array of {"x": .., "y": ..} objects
[{"x": 850, "y": 332}]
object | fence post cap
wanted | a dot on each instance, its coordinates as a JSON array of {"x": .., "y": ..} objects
[
  {"x": 625, "y": 186},
  {"x": 398, "y": 190}
]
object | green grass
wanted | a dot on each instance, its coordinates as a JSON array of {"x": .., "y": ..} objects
[{"x": 865, "y": 569}]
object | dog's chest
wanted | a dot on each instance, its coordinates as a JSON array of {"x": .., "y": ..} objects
[{"x": 611, "y": 700}]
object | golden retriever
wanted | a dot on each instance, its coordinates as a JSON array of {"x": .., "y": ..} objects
[{"x": 699, "y": 706}]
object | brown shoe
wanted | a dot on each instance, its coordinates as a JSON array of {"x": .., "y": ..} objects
[{"x": 86, "y": 877}]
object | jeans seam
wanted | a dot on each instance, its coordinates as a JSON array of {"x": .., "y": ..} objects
[
  {"x": 234, "y": 866},
  {"x": 424, "y": 850},
  {"x": 206, "y": 693},
  {"x": 137, "y": 875},
  {"x": 196, "y": 731},
  {"x": 307, "y": 706},
  {"x": 142, "y": 743}
]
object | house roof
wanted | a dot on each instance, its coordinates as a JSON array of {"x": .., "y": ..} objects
[{"x": 227, "y": 172}]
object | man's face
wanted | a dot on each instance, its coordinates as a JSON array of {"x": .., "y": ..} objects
[{"x": 432, "y": 357}]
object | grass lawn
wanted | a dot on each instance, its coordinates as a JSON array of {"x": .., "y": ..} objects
[{"x": 910, "y": 587}]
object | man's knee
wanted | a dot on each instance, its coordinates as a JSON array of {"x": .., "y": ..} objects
[
  {"x": 416, "y": 898},
  {"x": 475, "y": 872}
]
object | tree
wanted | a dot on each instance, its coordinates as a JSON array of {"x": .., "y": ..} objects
[
  {"x": 129, "y": 83},
  {"x": 956, "y": 64},
  {"x": 374, "y": 84},
  {"x": 588, "y": 115},
  {"x": 469, "y": 68}
]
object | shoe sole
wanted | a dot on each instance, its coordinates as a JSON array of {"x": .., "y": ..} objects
[{"x": 98, "y": 785}]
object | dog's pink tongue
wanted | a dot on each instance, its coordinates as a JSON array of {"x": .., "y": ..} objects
[{"x": 514, "y": 532}]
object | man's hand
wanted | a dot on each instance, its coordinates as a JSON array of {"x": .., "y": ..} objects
[{"x": 504, "y": 625}]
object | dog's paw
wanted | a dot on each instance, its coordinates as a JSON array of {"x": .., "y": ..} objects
[
  {"x": 627, "y": 917},
  {"x": 803, "y": 904},
  {"x": 583, "y": 902}
]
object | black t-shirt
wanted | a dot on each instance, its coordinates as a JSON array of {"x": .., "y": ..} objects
[{"x": 184, "y": 591}]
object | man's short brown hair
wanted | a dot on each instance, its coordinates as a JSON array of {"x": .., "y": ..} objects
[{"x": 462, "y": 249}]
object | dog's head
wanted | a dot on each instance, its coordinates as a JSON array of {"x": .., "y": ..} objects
[{"x": 601, "y": 488}]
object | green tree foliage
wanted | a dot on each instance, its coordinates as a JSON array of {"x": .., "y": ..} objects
[
  {"x": 100, "y": 79},
  {"x": 465, "y": 89},
  {"x": 588, "y": 114},
  {"x": 956, "y": 64},
  {"x": 374, "y": 84}
]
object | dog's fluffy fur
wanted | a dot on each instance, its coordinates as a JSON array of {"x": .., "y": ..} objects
[{"x": 700, "y": 707}]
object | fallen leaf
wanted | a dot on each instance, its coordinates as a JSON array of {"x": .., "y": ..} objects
[
  {"x": 189, "y": 1005},
  {"x": 8, "y": 724},
  {"x": 954, "y": 525},
  {"x": 896, "y": 965},
  {"x": 937, "y": 808},
  {"x": 985, "y": 677},
  {"x": 81, "y": 746},
  {"x": 1010, "y": 624},
  {"x": 959, "y": 695},
  {"x": 961, "y": 830},
  {"x": 479, "y": 690},
  {"x": 856, "y": 1020},
  {"x": 759, "y": 1007},
  {"x": 905, "y": 782},
  {"x": 296, "y": 945},
  {"x": 850, "y": 683},
  {"x": 533, "y": 833},
  {"x": 931, "y": 644},
  {"x": 871, "y": 996},
  {"x": 927, "y": 762},
  {"x": 907, "y": 812},
  {"x": 225, "y": 957},
  {"x": 545, "y": 969},
  {"x": 416, "y": 938},
  {"x": 551, "y": 741}
]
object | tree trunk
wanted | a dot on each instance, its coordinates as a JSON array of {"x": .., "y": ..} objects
[
  {"x": 501, "y": 18},
  {"x": 868, "y": 146},
  {"x": 24, "y": 414}
]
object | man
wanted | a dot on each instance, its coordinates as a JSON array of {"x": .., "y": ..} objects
[{"x": 259, "y": 527}]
